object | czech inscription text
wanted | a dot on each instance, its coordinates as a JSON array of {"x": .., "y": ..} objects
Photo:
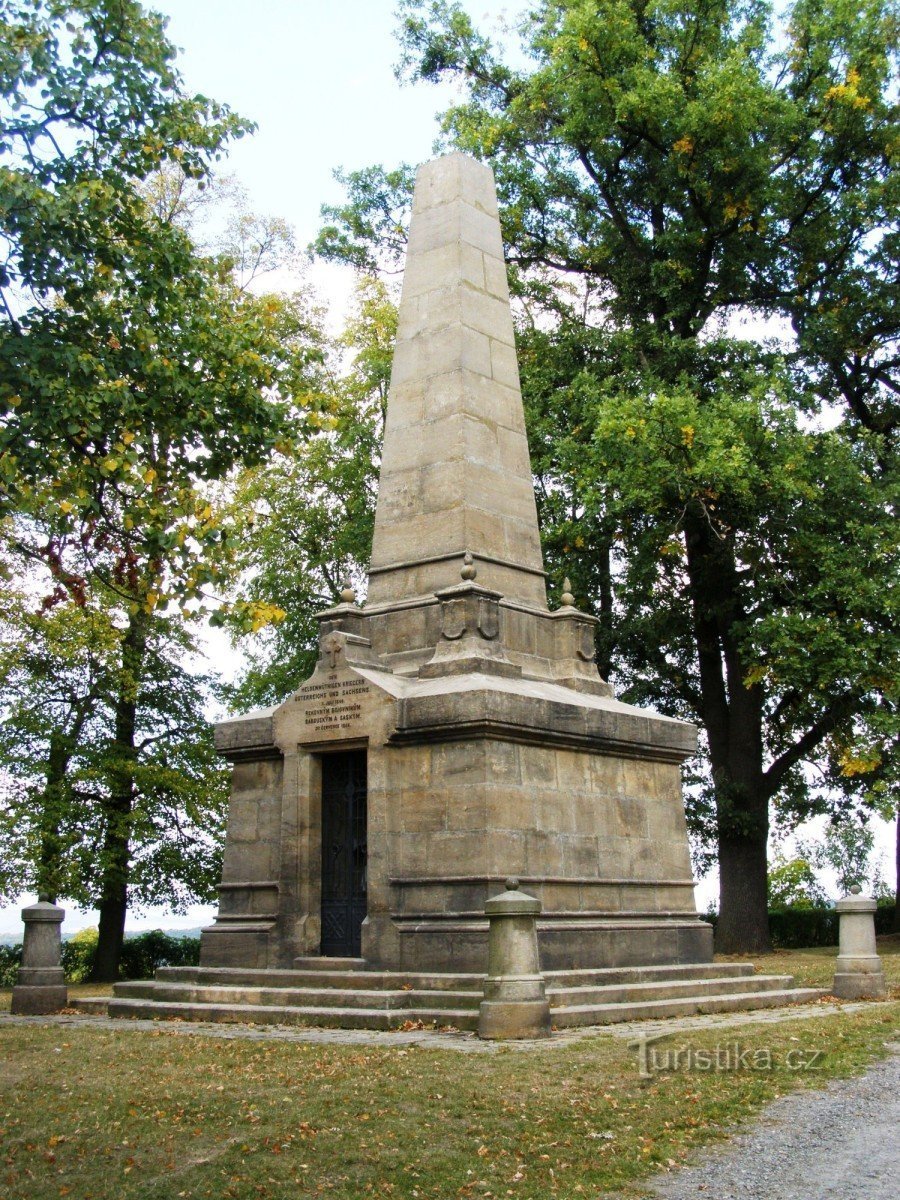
[{"x": 334, "y": 704}]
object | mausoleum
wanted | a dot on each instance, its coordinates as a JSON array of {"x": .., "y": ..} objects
[{"x": 455, "y": 730}]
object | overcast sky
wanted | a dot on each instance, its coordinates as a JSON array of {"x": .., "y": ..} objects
[{"x": 317, "y": 78}]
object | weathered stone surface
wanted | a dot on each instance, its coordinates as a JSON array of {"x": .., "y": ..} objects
[
  {"x": 858, "y": 971},
  {"x": 41, "y": 986},
  {"x": 455, "y": 475},
  {"x": 515, "y": 1001}
]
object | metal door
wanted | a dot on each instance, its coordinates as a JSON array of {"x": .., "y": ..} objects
[{"x": 343, "y": 852}]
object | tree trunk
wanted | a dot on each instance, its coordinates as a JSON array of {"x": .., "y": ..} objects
[
  {"x": 743, "y": 924},
  {"x": 897, "y": 881},
  {"x": 733, "y": 719},
  {"x": 117, "y": 809},
  {"x": 49, "y": 865}
]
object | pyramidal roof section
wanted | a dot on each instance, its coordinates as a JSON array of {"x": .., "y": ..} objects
[{"x": 455, "y": 471}]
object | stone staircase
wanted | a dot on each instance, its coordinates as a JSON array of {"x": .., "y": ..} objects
[{"x": 344, "y": 993}]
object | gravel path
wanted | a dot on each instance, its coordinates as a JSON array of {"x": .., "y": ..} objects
[{"x": 840, "y": 1143}]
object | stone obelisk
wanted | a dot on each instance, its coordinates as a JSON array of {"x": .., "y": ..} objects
[
  {"x": 455, "y": 732},
  {"x": 455, "y": 474}
]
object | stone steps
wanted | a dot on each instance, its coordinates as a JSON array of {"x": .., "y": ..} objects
[
  {"x": 263, "y": 1014},
  {"x": 648, "y": 1010},
  {"x": 670, "y": 989},
  {"x": 342, "y": 980},
  {"x": 346, "y": 996},
  {"x": 355, "y": 977},
  {"x": 301, "y": 997}
]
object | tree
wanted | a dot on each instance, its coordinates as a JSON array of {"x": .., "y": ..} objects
[
  {"x": 135, "y": 373},
  {"x": 793, "y": 883},
  {"x": 725, "y": 502},
  {"x": 311, "y": 512},
  {"x": 62, "y": 683}
]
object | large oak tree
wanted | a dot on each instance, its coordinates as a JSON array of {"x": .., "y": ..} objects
[{"x": 724, "y": 495}]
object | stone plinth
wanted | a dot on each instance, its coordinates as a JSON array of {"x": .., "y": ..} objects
[
  {"x": 858, "y": 970},
  {"x": 515, "y": 1001},
  {"x": 41, "y": 986}
]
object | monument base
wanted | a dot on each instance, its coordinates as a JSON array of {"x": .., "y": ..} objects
[
  {"x": 28, "y": 1001},
  {"x": 565, "y": 944}
]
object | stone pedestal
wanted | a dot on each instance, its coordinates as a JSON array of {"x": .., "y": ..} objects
[
  {"x": 41, "y": 987},
  {"x": 515, "y": 1003},
  {"x": 859, "y": 973}
]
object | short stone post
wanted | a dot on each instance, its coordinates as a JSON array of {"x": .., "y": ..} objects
[
  {"x": 515, "y": 1004},
  {"x": 41, "y": 986},
  {"x": 859, "y": 972}
]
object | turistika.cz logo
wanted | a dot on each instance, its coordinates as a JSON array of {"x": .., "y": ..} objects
[{"x": 654, "y": 1059}]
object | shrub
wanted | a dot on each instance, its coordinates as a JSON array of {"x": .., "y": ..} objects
[
  {"x": 793, "y": 928},
  {"x": 145, "y": 952},
  {"x": 798, "y": 928},
  {"x": 10, "y": 959},
  {"x": 78, "y": 954},
  {"x": 142, "y": 953}
]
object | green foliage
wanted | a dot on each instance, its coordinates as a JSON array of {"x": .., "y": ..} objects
[
  {"x": 63, "y": 679},
  {"x": 142, "y": 955},
  {"x": 133, "y": 371},
  {"x": 78, "y": 955},
  {"x": 136, "y": 375},
  {"x": 10, "y": 961},
  {"x": 309, "y": 513},
  {"x": 792, "y": 884},
  {"x": 846, "y": 849}
]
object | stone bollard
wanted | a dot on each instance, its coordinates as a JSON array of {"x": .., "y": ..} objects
[
  {"x": 859, "y": 972},
  {"x": 515, "y": 1004},
  {"x": 42, "y": 986}
]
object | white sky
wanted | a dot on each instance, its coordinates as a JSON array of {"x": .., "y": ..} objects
[{"x": 317, "y": 78}]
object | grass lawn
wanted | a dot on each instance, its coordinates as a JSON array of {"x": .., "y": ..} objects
[
  {"x": 92, "y": 1113},
  {"x": 815, "y": 967}
]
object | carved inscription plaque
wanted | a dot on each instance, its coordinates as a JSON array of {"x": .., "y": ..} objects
[{"x": 333, "y": 705}]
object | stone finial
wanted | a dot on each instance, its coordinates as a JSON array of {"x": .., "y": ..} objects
[
  {"x": 468, "y": 570},
  {"x": 567, "y": 600},
  {"x": 858, "y": 970},
  {"x": 515, "y": 1001},
  {"x": 348, "y": 592},
  {"x": 41, "y": 985}
]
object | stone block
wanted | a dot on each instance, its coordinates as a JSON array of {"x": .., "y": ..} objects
[
  {"x": 538, "y": 768},
  {"x": 503, "y": 763},
  {"x": 503, "y": 365},
  {"x": 545, "y": 853},
  {"x": 422, "y": 811},
  {"x": 487, "y": 314},
  {"x": 496, "y": 280}
]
